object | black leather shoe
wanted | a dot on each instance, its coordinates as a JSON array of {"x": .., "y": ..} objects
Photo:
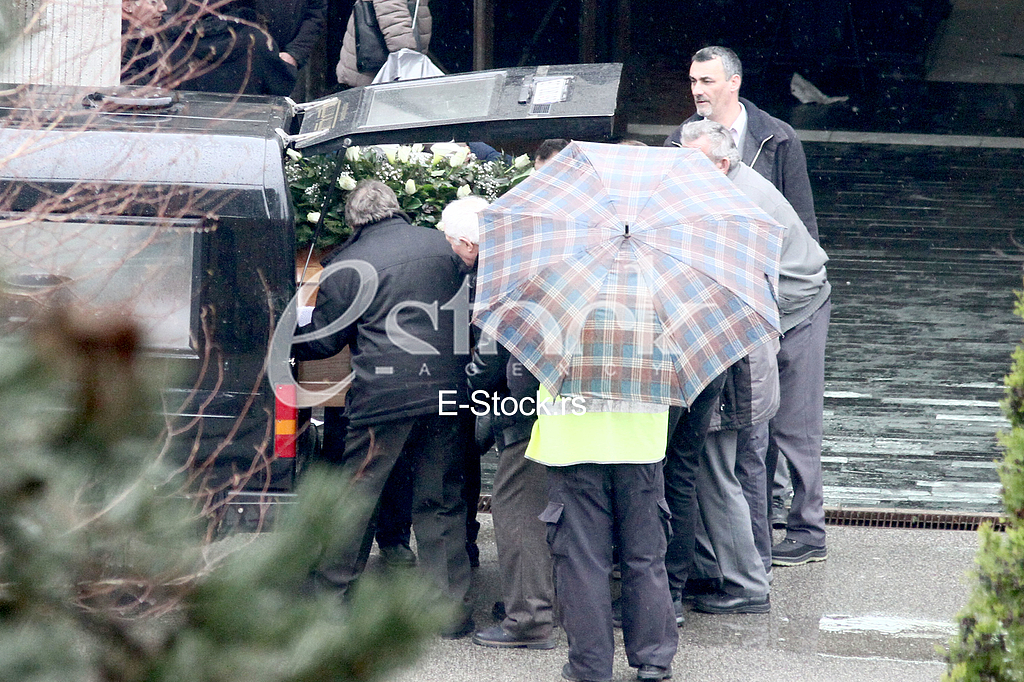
[
  {"x": 720, "y": 602},
  {"x": 653, "y": 672},
  {"x": 501, "y": 638}
]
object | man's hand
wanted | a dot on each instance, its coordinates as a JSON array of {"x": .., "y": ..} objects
[{"x": 287, "y": 58}]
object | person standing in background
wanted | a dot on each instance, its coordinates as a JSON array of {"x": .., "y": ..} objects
[
  {"x": 295, "y": 25},
  {"x": 400, "y": 31},
  {"x": 224, "y": 47},
  {"x": 141, "y": 44},
  {"x": 768, "y": 145}
]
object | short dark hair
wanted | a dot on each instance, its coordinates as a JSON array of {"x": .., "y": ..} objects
[
  {"x": 730, "y": 62},
  {"x": 550, "y": 147}
]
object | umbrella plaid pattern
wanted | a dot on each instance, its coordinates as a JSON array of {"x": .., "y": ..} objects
[{"x": 629, "y": 273}]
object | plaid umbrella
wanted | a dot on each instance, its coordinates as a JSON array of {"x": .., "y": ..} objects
[{"x": 631, "y": 273}]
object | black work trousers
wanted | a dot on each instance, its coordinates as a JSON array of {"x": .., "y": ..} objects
[
  {"x": 688, "y": 432},
  {"x": 589, "y": 507},
  {"x": 431, "y": 447}
]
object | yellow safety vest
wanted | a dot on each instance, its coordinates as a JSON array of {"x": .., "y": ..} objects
[{"x": 579, "y": 430}]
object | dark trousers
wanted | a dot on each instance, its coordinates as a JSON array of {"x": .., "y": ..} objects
[
  {"x": 524, "y": 559},
  {"x": 394, "y": 513},
  {"x": 688, "y": 431},
  {"x": 430, "y": 445},
  {"x": 751, "y": 449},
  {"x": 471, "y": 467},
  {"x": 796, "y": 429},
  {"x": 588, "y": 506},
  {"x": 394, "y": 510}
]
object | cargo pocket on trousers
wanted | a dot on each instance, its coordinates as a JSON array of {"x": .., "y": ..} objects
[
  {"x": 665, "y": 514},
  {"x": 552, "y": 516}
]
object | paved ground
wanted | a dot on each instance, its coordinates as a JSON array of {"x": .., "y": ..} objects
[{"x": 879, "y": 608}]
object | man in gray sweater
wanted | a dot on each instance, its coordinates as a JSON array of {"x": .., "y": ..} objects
[{"x": 804, "y": 308}]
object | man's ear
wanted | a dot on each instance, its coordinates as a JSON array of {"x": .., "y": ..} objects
[{"x": 723, "y": 165}]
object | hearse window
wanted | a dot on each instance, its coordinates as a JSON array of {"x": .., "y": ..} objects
[
  {"x": 138, "y": 266},
  {"x": 421, "y": 101}
]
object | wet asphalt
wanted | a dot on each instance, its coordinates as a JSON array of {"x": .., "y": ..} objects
[{"x": 881, "y": 607}]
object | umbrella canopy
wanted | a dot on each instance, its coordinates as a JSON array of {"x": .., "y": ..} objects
[{"x": 630, "y": 273}]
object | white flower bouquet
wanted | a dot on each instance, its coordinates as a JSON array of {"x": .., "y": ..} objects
[{"x": 425, "y": 180}]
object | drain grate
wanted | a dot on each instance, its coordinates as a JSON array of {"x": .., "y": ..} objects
[
  {"x": 884, "y": 518},
  {"x": 910, "y": 518}
]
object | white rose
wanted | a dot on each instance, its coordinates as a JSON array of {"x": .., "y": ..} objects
[
  {"x": 522, "y": 161},
  {"x": 444, "y": 149},
  {"x": 403, "y": 154},
  {"x": 313, "y": 217},
  {"x": 459, "y": 157},
  {"x": 463, "y": 191},
  {"x": 293, "y": 155},
  {"x": 353, "y": 153},
  {"x": 410, "y": 187},
  {"x": 346, "y": 182}
]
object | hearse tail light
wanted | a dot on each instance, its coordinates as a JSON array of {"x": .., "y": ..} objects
[{"x": 285, "y": 420}]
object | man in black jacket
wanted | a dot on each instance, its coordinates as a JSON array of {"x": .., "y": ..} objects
[
  {"x": 295, "y": 25},
  {"x": 384, "y": 294},
  {"x": 768, "y": 145},
  {"x": 223, "y": 47}
]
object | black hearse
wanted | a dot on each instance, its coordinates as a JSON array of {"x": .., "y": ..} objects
[{"x": 174, "y": 207}]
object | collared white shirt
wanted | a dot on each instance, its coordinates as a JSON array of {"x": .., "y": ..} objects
[{"x": 739, "y": 129}]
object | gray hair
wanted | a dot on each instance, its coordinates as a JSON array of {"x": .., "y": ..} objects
[
  {"x": 461, "y": 218},
  {"x": 723, "y": 146},
  {"x": 730, "y": 62},
  {"x": 370, "y": 202}
]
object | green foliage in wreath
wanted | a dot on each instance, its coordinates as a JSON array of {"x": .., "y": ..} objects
[{"x": 425, "y": 181}]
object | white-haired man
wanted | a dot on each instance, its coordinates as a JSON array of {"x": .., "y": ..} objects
[
  {"x": 520, "y": 485},
  {"x": 460, "y": 222},
  {"x": 804, "y": 307}
]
